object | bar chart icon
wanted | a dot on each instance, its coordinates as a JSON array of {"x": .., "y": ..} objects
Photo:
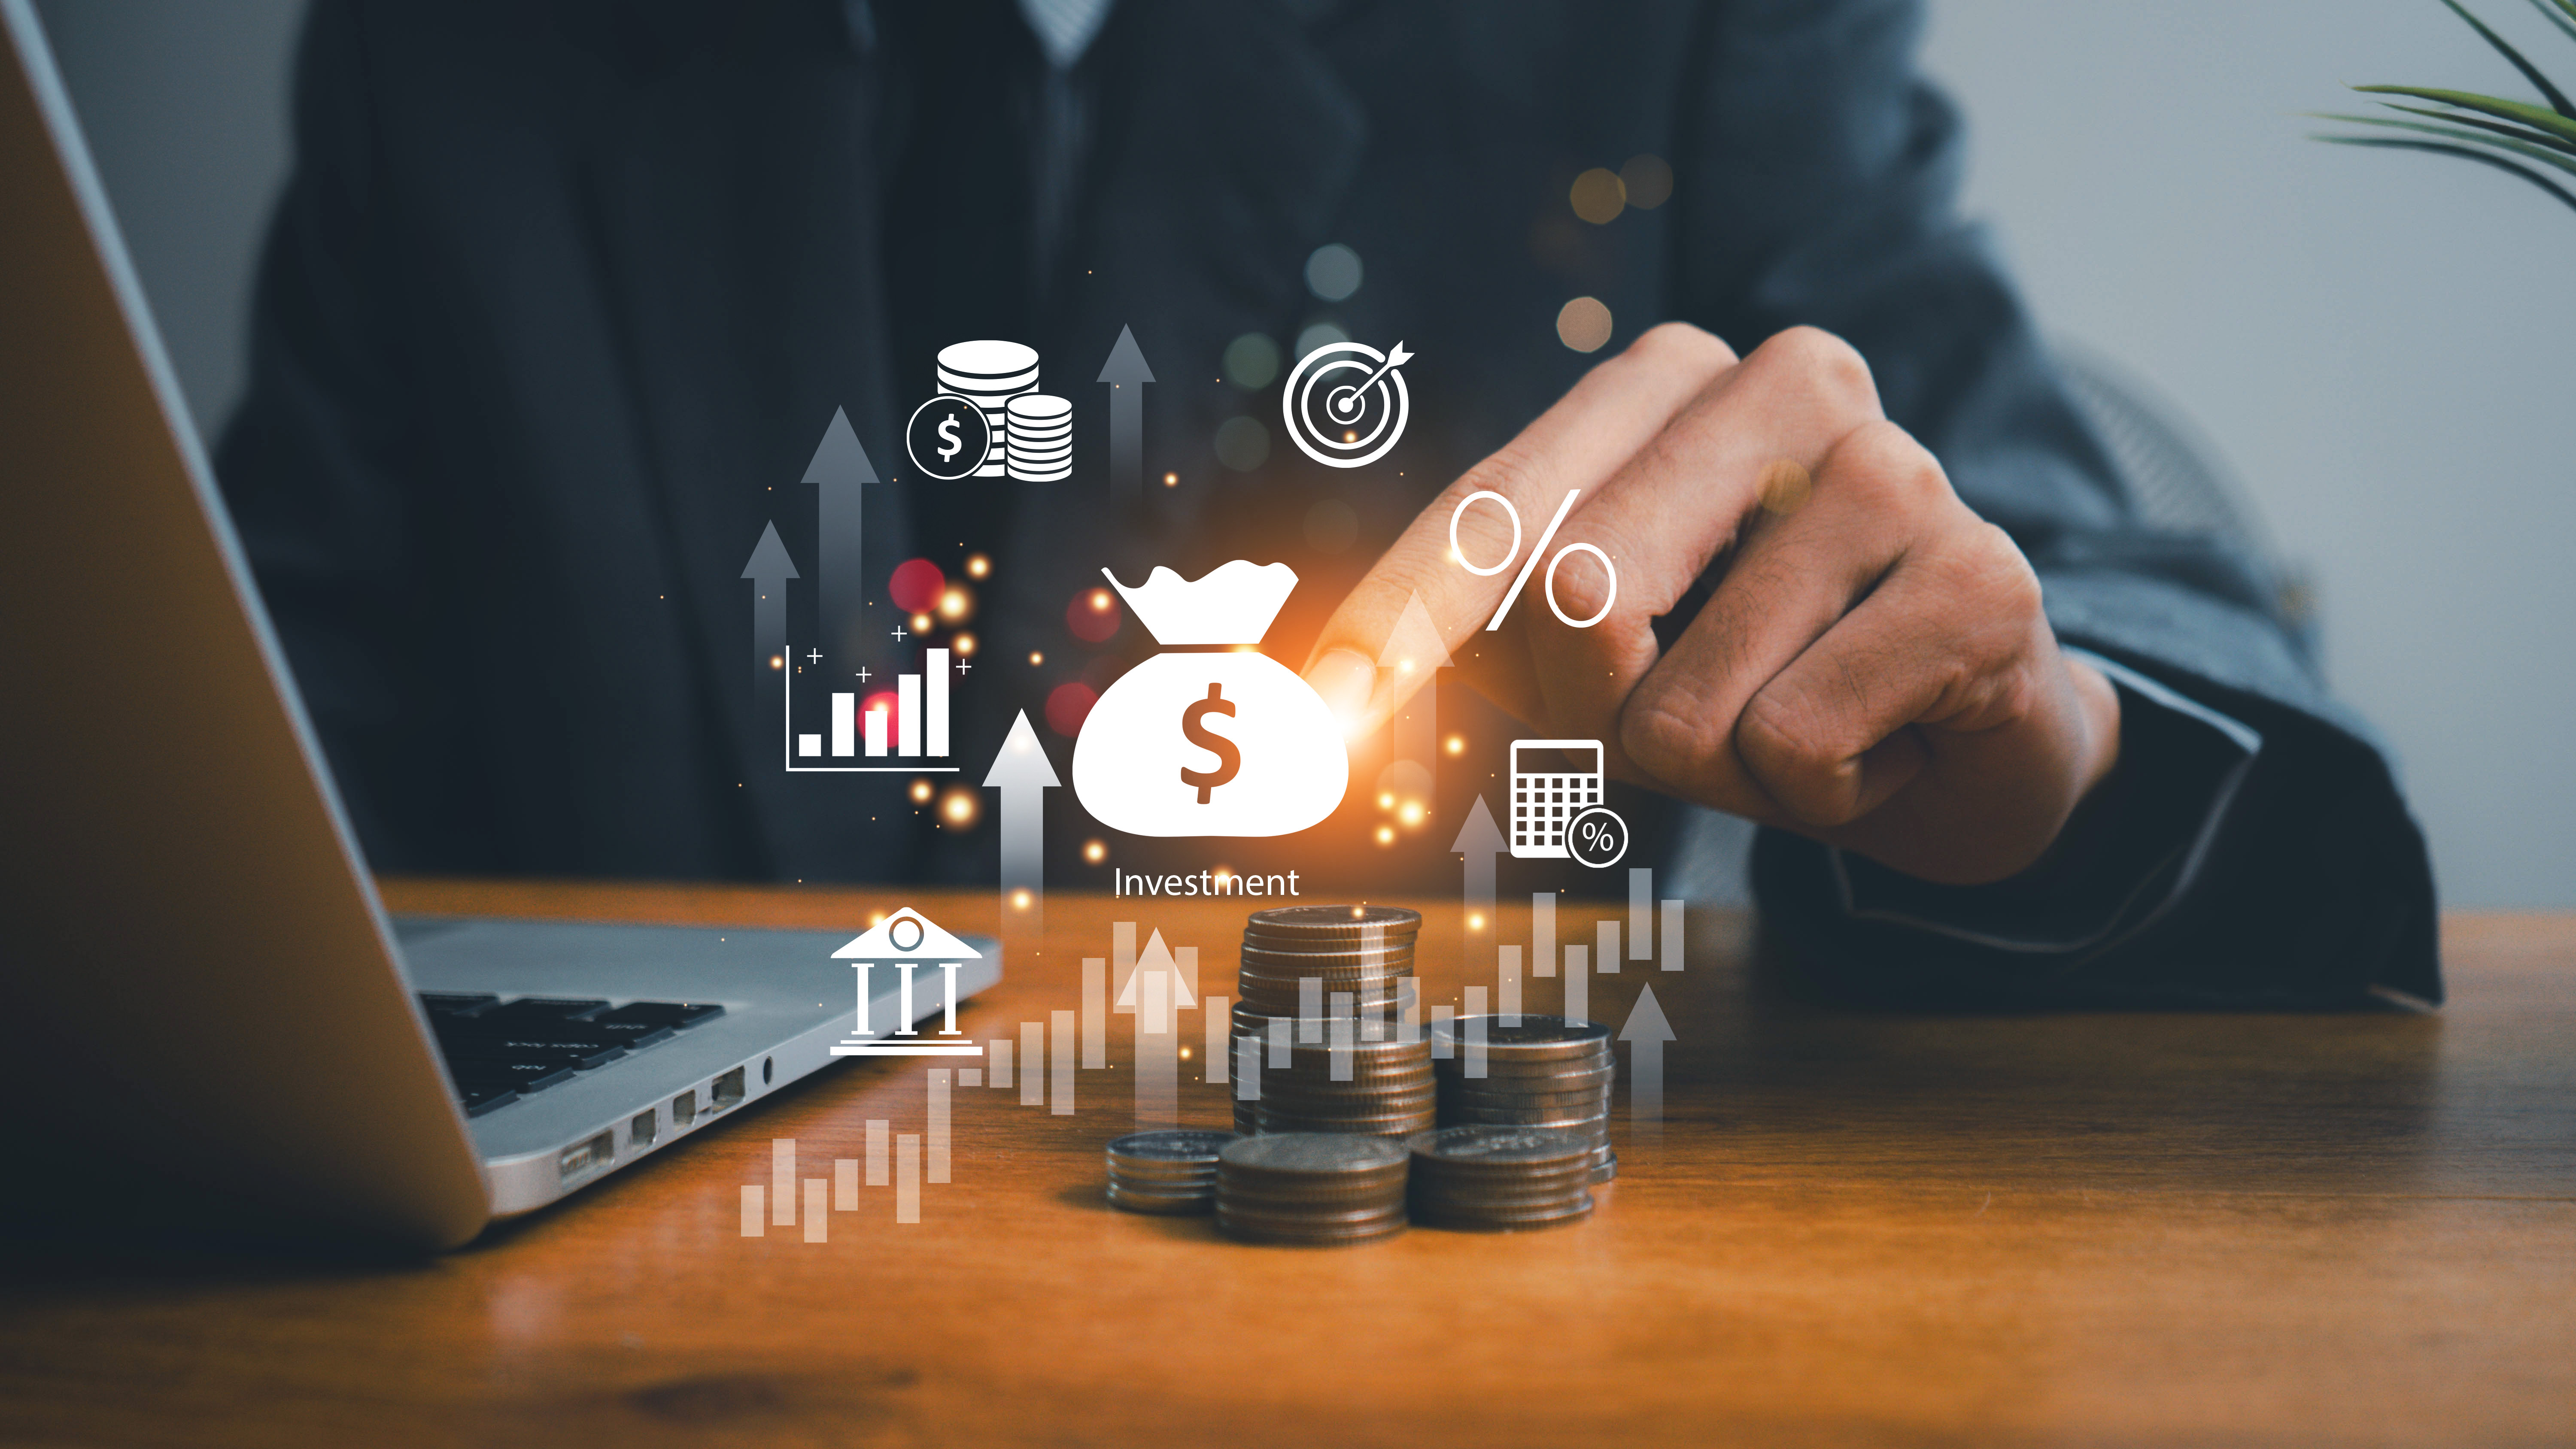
[{"x": 913, "y": 727}]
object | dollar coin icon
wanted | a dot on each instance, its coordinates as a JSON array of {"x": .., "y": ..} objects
[{"x": 948, "y": 437}]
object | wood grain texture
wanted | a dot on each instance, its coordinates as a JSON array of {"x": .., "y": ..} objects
[{"x": 2140, "y": 1229}]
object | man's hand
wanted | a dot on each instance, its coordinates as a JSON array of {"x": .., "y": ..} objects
[{"x": 1872, "y": 670}]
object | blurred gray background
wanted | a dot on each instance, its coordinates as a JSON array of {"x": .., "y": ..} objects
[{"x": 2376, "y": 342}]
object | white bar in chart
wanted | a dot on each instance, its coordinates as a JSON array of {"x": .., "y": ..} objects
[
  {"x": 1543, "y": 932},
  {"x": 1310, "y": 1010},
  {"x": 1247, "y": 1069},
  {"x": 843, "y": 707},
  {"x": 877, "y": 1139},
  {"x": 845, "y": 1184},
  {"x": 1672, "y": 936},
  {"x": 1033, "y": 1064},
  {"x": 818, "y": 1223},
  {"x": 877, "y": 731},
  {"x": 970, "y": 1076},
  {"x": 1475, "y": 1043},
  {"x": 907, "y": 1178},
  {"x": 907, "y": 715},
  {"x": 1280, "y": 1047},
  {"x": 782, "y": 1181},
  {"x": 998, "y": 1052},
  {"x": 1441, "y": 1016},
  {"x": 1341, "y": 1044},
  {"x": 809, "y": 747},
  {"x": 1095, "y": 1012},
  {"x": 1641, "y": 900},
  {"x": 936, "y": 1167},
  {"x": 1218, "y": 1018},
  {"x": 1062, "y": 1062},
  {"x": 1605, "y": 952},
  {"x": 755, "y": 1210},
  {"x": 1578, "y": 984},
  {"x": 934, "y": 704},
  {"x": 1510, "y": 1003}
]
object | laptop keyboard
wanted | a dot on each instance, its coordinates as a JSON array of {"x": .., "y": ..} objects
[{"x": 499, "y": 1051}]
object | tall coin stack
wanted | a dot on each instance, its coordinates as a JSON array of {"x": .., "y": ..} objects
[
  {"x": 1322, "y": 1189},
  {"x": 990, "y": 374},
  {"x": 1169, "y": 1173},
  {"x": 1499, "y": 1178},
  {"x": 1545, "y": 1072},
  {"x": 1039, "y": 434},
  {"x": 1360, "y": 961}
]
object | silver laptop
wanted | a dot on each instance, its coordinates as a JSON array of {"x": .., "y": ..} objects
[{"x": 200, "y": 980}]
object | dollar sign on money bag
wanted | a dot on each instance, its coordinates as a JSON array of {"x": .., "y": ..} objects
[
  {"x": 948, "y": 439},
  {"x": 1194, "y": 727},
  {"x": 1150, "y": 760}
]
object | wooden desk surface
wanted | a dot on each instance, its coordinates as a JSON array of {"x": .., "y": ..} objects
[{"x": 2140, "y": 1229}]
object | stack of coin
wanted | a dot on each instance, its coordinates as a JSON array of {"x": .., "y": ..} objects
[
  {"x": 1165, "y": 1172},
  {"x": 1499, "y": 1178},
  {"x": 1359, "y": 960},
  {"x": 989, "y": 375},
  {"x": 1545, "y": 1072},
  {"x": 1038, "y": 433},
  {"x": 1319, "y": 1188}
]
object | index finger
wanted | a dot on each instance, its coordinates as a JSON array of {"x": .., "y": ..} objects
[{"x": 1577, "y": 444}]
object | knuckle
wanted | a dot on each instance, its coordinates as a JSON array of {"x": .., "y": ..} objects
[
  {"x": 1824, "y": 365},
  {"x": 1680, "y": 344},
  {"x": 1787, "y": 739}
]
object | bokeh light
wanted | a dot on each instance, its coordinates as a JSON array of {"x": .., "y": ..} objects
[
  {"x": 1333, "y": 271},
  {"x": 964, "y": 644},
  {"x": 1092, "y": 616},
  {"x": 1583, "y": 324},
  {"x": 1331, "y": 526},
  {"x": 1386, "y": 835},
  {"x": 978, "y": 566},
  {"x": 922, "y": 623},
  {"x": 1251, "y": 361},
  {"x": 921, "y": 792},
  {"x": 915, "y": 585},
  {"x": 1242, "y": 444},
  {"x": 1599, "y": 196},
  {"x": 1320, "y": 334},
  {"x": 1068, "y": 705},
  {"x": 1095, "y": 851},
  {"x": 956, "y": 604},
  {"x": 961, "y": 807},
  {"x": 1036, "y": 657},
  {"x": 1456, "y": 744},
  {"x": 1648, "y": 180},
  {"x": 1021, "y": 899}
]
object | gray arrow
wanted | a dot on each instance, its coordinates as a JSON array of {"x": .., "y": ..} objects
[
  {"x": 1415, "y": 655},
  {"x": 1480, "y": 840},
  {"x": 1022, "y": 774},
  {"x": 1645, "y": 1034},
  {"x": 1126, "y": 374},
  {"x": 769, "y": 570},
  {"x": 841, "y": 471}
]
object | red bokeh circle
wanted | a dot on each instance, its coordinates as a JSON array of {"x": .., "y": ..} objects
[
  {"x": 1067, "y": 706},
  {"x": 1092, "y": 616},
  {"x": 916, "y": 585}
]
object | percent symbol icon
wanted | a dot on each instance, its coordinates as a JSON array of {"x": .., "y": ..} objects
[{"x": 1547, "y": 587}]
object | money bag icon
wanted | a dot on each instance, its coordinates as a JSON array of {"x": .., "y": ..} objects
[{"x": 1210, "y": 737}]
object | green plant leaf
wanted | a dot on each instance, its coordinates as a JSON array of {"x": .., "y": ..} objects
[
  {"x": 2552, "y": 9},
  {"x": 2455, "y": 134},
  {"x": 2536, "y": 138},
  {"x": 2532, "y": 116},
  {"x": 2530, "y": 72},
  {"x": 2391, "y": 143}
]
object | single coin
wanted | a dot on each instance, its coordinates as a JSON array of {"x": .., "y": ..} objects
[
  {"x": 1296, "y": 922},
  {"x": 1171, "y": 1146},
  {"x": 1573, "y": 1211},
  {"x": 1525, "y": 1145},
  {"x": 988, "y": 358},
  {"x": 1172, "y": 1205},
  {"x": 1536, "y": 1038},
  {"x": 948, "y": 437},
  {"x": 1325, "y": 1153}
]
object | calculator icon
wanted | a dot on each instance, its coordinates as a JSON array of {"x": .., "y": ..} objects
[{"x": 1552, "y": 782}]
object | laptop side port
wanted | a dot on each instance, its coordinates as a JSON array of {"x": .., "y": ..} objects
[
  {"x": 584, "y": 1158},
  {"x": 641, "y": 1132},
  {"x": 684, "y": 1110},
  {"x": 727, "y": 1090}
]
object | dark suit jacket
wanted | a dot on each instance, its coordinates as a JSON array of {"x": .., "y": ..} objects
[{"x": 562, "y": 295}]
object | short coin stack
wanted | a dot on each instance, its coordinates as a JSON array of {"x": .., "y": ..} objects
[
  {"x": 1321, "y": 1188},
  {"x": 1170, "y": 1173},
  {"x": 1360, "y": 961},
  {"x": 1038, "y": 432},
  {"x": 989, "y": 375},
  {"x": 1544, "y": 1072},
  {"x": 1499, "y": 1178}
]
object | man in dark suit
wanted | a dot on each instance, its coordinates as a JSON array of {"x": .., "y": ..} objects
[{"x": 563, "y": 294}]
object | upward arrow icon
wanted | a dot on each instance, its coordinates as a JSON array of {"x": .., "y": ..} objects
[
  {"x": 769, "y": 570},
  {"x": 1415, "y": 655},
  {"x": 1126, "y": 374},
  {"x": 1023, "y": 775},
  {"x": 840, "y": 471}
]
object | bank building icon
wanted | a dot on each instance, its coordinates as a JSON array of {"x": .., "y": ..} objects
[{"x": 907, "y": 941}]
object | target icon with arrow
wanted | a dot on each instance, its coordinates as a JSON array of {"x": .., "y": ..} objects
[{"x": 1345, "y": 403}]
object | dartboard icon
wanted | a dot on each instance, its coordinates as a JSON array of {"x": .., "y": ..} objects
[{"x": 1345, "y": 403}]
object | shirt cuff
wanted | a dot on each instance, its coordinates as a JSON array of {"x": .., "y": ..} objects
[{"x": 2131, "y": 854}]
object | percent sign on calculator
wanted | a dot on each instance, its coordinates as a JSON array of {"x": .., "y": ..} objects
[{"x": 1548, "y": 586}]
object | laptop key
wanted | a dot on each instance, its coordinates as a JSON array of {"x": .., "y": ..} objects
[
  {"x": 579, "y": 1055},
  {"x": 456, "y": 1003},
  {"x": 484, "y": 1096},
  {"x": 648, "y": 1016},
  {"x": 539, "y": 1008},
  {"x": 534, "y": 1074}
]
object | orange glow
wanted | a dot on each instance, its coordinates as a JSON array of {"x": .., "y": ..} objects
[
  {"x": 1095, "y": 851},
  {"x": 1021, "y": 900},
  {"x": 777, "y": 663},
  {"x": 1475, "y": 920},
  {"x": 921, "y": 792},
  {"x": 955, "y": 603},
  {"x": 1036, "y": 658},
  {"x": 1457, "y": 744},
  {"x": 1100, "y": 601},
  {"x": 964, "y": 644},
  {"x": 921, "y": 623},
  {"x": 1386, "y": 835},
  {"x": 978, "y": 566},
  {"x": 960, "y": 808}
]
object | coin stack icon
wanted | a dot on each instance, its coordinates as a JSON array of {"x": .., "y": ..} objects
[
  {"x": 1499, "y": 1179},
  {"x": 1168, "y": 1173},
  {"x": 1544, "y": 1072},
  {"x": 1341, "y": 978},
  {"x": 1038, "y": 435},
  {"x": 989, "y": 374},
  {"x": 1315, "y": 1188}
]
